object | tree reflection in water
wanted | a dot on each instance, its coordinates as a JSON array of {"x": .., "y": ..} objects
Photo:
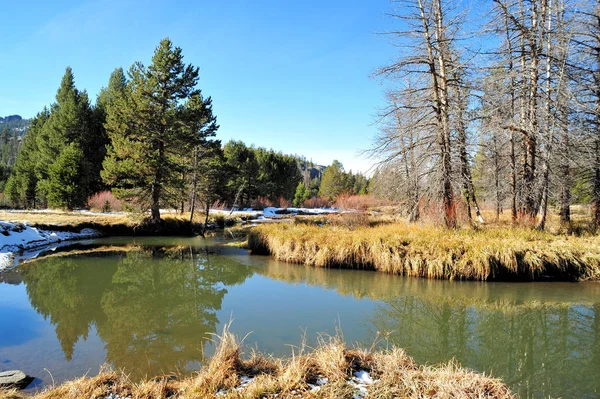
[
  {"x": 154, "y": 308},
  {"x": 542, "y": 338},
  {"x": 535, "y": 348}
]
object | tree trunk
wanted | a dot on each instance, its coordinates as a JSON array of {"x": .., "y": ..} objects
[
  {"x": 549, "y": 123},
  {"x": 194, "y": 185},
  {"x": 565, "y": 179},
  {"x": 596, "y": 165},
  {"x": 513, "y": 160},
  {"x": 531, "y": 140},
  {"x": 440, "y": 99},
  {"x": 156, "y": 186}
]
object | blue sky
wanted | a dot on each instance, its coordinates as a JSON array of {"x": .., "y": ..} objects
[{"x": 287, "y": 75}]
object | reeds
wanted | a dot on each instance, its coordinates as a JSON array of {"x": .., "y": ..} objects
[
  {"x": 426, "y": 251},
  {"x": 228, "y": 374}
]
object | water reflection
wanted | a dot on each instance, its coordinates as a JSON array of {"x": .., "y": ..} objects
[
  {"x": 153, "y": 308},
  {"x": 540, "y": 338},
  {"x": 536, "y": 349}
]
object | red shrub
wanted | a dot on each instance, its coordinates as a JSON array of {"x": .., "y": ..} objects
[
  {"x": 104, "y": 202},
  {"x": 317, "y": 202},
  {"x": 358, "y": 202},
  {"x": 261, "y": 203},
  {"x": 283, "y": 203},
  {"x": 220, "y": 205}
]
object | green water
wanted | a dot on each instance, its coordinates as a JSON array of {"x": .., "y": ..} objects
[{"x": 150, "y": 306}]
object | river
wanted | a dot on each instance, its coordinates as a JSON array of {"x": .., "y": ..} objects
[{"x": 152, "y": 305}]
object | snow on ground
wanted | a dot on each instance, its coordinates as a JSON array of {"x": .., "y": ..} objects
[
  {"x": 274, "y": 213},
  {"x": 17, "y": 239},
  {"x": 360, "y": 381}
]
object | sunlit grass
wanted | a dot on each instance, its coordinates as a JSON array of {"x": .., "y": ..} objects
[
  {"x": 433, "y": 252},
  {"x": 395, "y": 375}
]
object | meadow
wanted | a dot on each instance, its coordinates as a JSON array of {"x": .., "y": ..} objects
[{"x": 380, "y": 240}]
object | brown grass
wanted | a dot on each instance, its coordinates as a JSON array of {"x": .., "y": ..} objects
[
  {"x": 63, "y": 218},
  {"x": 106, "y": 223},
  {"x": 396, "y": 375},
  {"x": 359, "y": 202},
  {"x": 432, "y": 252}
]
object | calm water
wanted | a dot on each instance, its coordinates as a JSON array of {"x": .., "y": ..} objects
[{"x": 150, "y": 306}]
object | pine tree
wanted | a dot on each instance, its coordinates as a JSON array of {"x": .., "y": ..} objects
[
  {"x": 301, "y": 195},
  {"x": 22, "y": 186},
  {"x": 333, "y": 182},
  {"x": 69, "y": 122},
  {"x": 153, "y": 128},
  {"x": 64, "y": 176}
]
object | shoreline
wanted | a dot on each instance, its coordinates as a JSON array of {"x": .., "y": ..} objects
[
  {"x": 331, "y": 370},
  {"x": 434, "y": 253},
  {"x": 20, "y": 241},
  {"x": 351, "y": 241}
]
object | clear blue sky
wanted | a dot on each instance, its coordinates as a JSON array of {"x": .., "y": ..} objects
[{"x": 287, "y": 75}]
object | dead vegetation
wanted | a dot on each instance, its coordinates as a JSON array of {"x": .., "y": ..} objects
[
  {"x": 324, "y": 372},
  {"x": 491, "y": 253}
]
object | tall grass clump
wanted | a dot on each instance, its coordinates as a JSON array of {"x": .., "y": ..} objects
[
  {"x": 230, "y": 374},
  {"x": 431, "y": 252}
]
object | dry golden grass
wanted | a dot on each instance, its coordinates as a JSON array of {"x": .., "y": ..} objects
[
  {"x": 495, "y": 253},
  {"x": 63, "y": 218},
  {"x": 395, "y": 375},
  {"x": 106, "y": 223}
]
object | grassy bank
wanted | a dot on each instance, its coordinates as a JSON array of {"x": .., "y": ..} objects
[
  {"x": 324, "y": 372},
  {"x": 114, "y": 224},
  {"x": 499, "y": 253}
]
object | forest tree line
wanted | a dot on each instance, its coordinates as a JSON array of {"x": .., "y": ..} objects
[
  {"x": 150, "y": 139},
  {"x": 12, "y": 129},
  {"x": 508, "y": 114}
]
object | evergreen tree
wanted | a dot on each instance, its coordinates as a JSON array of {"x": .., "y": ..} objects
[
  {"x": 302, "y": 194},
  {"x": 63, "y": 179},
  {"x": 22, "y": 186},
  {"x": 153, "y": 127},
  {"x": 209, "y": 176},
  {"x": 243, "y": 182},
  {"x": 69, "y": 122},
  {"x": 334, "y": 181}
]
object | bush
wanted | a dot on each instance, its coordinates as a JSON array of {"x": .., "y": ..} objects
[
  {"x": 359, "y": 202},
  {"x": 317, "y": 202},
  {"x": 351, "y": 220},
  {"x": 104, "y": 201},
  {"x": 283, "y": 203},
  {"x": 261, "y": 203}
]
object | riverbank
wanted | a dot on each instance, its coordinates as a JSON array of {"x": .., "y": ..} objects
[
  {"x": 425, "y": 251},
  {"x": 18, "y": 240},
  {"x": 107, "y": 224},
  {"x": 331, "y": 370}
]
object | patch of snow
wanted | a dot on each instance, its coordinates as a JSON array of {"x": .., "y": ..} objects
[
  {"x": 313, "y": 387},
  {"x": 360, "y": 381},
  {"x": 244, "y": 381},
  {"x": 363, "y": 377},
  {"x": 86, "y": 212},
  {"x": 16, "y": 240}
]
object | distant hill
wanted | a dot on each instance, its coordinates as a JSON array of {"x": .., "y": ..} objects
[
  {"x": 11, "y": 118},
  {"x": 14, "y": 123}
]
